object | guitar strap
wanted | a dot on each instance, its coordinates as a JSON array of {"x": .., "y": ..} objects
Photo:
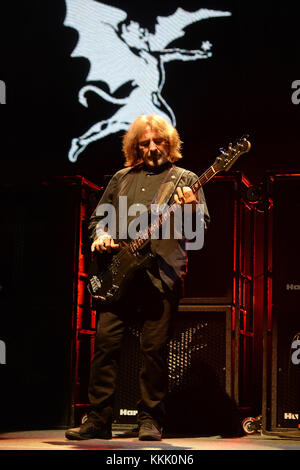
[{"x": 168, "y": 186}]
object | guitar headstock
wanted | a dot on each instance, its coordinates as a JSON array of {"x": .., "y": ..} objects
[{"x": 230, "y": 155}]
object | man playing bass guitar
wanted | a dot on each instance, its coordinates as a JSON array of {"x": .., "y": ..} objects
[{"x": 151, "y": 147}]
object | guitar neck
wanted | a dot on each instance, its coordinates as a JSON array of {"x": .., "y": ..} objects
[
  {"x": 204, "y": 178},
  {"x": 223, "y": 162}
]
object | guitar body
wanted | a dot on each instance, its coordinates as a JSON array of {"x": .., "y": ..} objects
[{"x": 110, "y": 273}]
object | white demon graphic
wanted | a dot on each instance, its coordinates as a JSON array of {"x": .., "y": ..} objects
[{"x": 121, "y": 52}]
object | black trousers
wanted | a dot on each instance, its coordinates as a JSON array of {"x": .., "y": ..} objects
[{"x": 144, "y": 305}]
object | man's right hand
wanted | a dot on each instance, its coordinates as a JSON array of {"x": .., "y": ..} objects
[{"x": 104, "y": 244}]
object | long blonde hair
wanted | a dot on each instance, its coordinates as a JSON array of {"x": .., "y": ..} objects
[{"x": 158, "y": 124}]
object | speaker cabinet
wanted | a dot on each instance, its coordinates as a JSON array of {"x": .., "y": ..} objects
[
  {"x": 286, "y": 370},
  {"x": 213, "y": 271},
  {"x": 199, "y": 368},
  {"x": 222, "y": 272},
  {"x": 40, "y": 276},
  {"x": 281, "y": 394}
]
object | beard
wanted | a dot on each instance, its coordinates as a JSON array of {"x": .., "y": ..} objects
[{"x": 155, "y": 158}]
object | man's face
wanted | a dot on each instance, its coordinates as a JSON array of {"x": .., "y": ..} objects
[{"x": 153, "y": 148}]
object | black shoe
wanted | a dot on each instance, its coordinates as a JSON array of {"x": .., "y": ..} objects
[
  {"x": 89, "y": 430},
  {"x": 149, "y": 432}
]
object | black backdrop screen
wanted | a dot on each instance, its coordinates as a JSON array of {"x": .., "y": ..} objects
[{"x": 245, "y": 86}]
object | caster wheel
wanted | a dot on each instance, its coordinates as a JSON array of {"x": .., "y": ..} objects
[{"x": 248, "y": 425}]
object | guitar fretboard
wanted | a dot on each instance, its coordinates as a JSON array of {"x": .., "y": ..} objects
[{"x": 204, "y": 178}]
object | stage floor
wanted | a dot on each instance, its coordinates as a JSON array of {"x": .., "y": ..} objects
[{"x": 47, "y": 440}]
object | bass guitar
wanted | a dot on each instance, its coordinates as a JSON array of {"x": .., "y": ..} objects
[{"x": 110, "y": 273}]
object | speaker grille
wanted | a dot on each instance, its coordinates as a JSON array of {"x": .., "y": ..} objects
[
  {"x": 288, "y": 373},
  {"x": 198, "y": 355}
]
